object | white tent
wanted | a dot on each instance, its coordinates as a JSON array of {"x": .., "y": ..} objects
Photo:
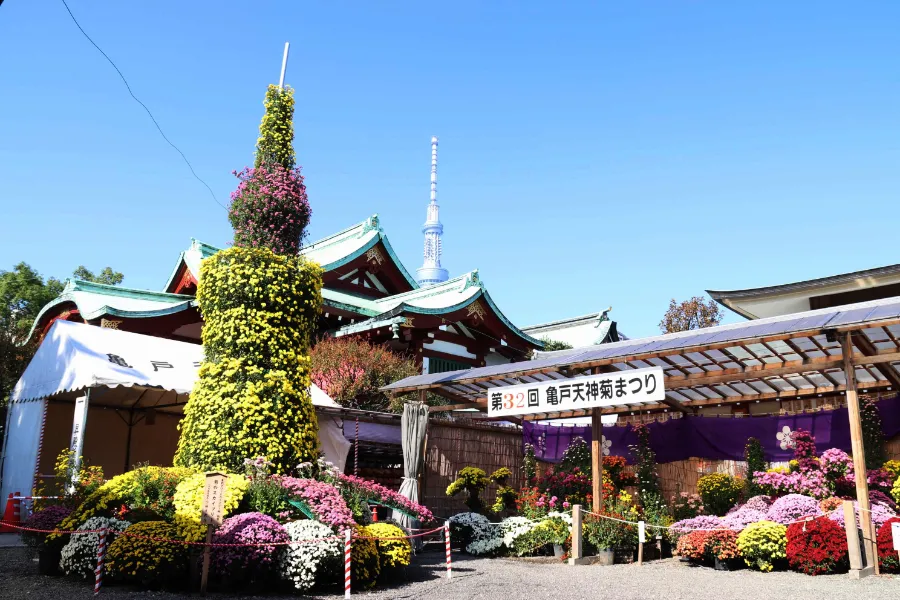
[{"x": 81, "y": 371}]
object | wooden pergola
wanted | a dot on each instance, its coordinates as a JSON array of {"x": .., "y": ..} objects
[{"x": 827, "y": 352}]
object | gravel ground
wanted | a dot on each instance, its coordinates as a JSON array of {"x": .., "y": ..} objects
[{"x": 508, "y": 578}]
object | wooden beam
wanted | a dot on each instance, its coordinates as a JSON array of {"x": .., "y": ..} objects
[
  {"x": 450, "y": 407},
  {"x": 869, "y": 349},
  {"x": 859, "y": 453}
]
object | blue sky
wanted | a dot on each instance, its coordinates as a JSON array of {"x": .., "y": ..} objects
[{"x": 592, "y": 154}]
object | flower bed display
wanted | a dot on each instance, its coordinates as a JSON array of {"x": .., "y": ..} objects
[
  {"x": 738, "y": 520},
  {"x": 719, "y": 491},
  {"x": 188, "y": 501},
  {"x": 394, "y": 550},
  {"x": 79, "y": 555},
  {"x": 377, "y": 492},
  {"x": 763, "y": 545},
  {"x": 252, "y": 563},
  {"x": 140, "y": 557},
  {"x": 790, "y": 508},
  {"x": 307, "y": 564},
  {"x": 817, "y": 547},
  {"x": 888, "y": 558},
  {"x": 47, "y": 518},
  {"x": 322, "y": 499},
  {"x": 880, "y": 515}
]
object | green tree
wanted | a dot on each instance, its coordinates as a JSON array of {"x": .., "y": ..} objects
[
  {"x": 352, "y": 371},
  {"x": 23, "y": 292},
  {"x": 691, "y": 314},
  {"x": 107, "y": 276},
  {"x": 552, "y": 345}
]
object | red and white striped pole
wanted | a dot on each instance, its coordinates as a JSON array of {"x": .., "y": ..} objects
[
  {"x": 101, "y": 553},
  {"x": 447, "y": 546},
  {"x": 347, "y": 564}
]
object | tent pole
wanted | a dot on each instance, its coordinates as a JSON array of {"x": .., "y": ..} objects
[{"x": 128, "y": 439}]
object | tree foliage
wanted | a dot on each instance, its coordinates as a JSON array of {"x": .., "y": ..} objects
[
  {"x": 553, "y": 345},
  {"x": 23, "y": 292},
  {"x": 873, "y": 434},
  {"x": 691, "y": 314},
  {"x": 351, "y": 371},
  {"x": 107, "y": 276}
]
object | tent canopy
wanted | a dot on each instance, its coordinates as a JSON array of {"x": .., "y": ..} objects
[
  {"x": 128, "y": 367},
  {"x": 122, "y": 370}
]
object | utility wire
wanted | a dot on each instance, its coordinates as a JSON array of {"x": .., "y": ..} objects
[{"x": 152, "y": 118}]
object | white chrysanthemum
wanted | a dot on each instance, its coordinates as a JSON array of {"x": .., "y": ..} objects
[
  {"x": 304, "y": 564},
  {"x": 79, "y": 556},
  {"x": 513, "y": 527}
]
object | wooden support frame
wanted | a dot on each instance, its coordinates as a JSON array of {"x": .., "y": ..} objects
[{"x": 859, "y": 455}]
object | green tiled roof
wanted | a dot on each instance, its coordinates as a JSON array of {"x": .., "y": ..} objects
[
  {"x": 439, "y": 299},
  {"x": 330, "y": 252},
  {"x": 95, "y": 300}
]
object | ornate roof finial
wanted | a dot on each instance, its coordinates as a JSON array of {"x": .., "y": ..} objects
[{"x": 431, "y": 272}]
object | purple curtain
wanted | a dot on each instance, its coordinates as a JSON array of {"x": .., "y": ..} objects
[{"x": 715, "y": 438}]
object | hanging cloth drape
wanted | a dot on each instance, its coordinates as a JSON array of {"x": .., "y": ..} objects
[{"x": 413, "y": 424}]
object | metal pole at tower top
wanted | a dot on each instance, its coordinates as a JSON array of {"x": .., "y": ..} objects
[{"x": 284, "y": 64}]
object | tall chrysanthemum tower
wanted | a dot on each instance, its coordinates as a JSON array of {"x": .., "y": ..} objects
[{"x": 431, "y": 272}]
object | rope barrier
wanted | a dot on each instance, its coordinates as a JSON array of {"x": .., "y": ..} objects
[
  {"x": 687, "y": 530},
  {"x": 219, "y": 544}
]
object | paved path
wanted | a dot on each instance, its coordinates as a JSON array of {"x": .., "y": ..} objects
[{"x": 508, "y": 579}]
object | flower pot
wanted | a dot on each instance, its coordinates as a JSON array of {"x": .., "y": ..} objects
[
  {"x": 731, "y": 564},
  {"x": 606, "y": 557},
  {"x": 558, "y": 550},
  {"x": 665, "y": 549},
  {"x": 48, "y": 561},
  {"x": 624, "y": 556}
]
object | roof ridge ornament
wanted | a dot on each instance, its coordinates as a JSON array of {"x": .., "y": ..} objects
[
  {"x": 604, "y": 316},
  {"x": 371, "y": 223}
]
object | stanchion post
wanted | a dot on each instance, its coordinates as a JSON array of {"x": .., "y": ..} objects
[
  {"x": 347, "y": 550},
  {"x": 447, "y": 546},
  {"x": 204, "y": 574},
  {"x": 577, "y": 557},
  {"x": 642, "y": 537},
  {"x": 101, "y": 554}
]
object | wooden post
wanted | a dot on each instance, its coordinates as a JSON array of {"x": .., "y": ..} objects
[
  {"x": 859, "y": 464},
  {"x": 577, "y": 557},
  {"x": 596, "y": 460},
  {"x": 641, "y": 538},
  {"x": 204, "y": 574},
  {"x": 211, "y": 514},
  {"x": 852, "y": 537}
]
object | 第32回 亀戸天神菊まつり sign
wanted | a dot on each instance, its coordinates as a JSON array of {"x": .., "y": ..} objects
[{"x": 593, "y": 391}]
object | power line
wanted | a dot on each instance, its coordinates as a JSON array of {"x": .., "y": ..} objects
[{"x": 152, "y": 118}]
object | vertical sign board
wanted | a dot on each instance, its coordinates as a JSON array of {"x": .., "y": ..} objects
[
  {"x": 634, "y": 386},
  {"x": 895, "y": 533},
  {"x": 76, "y": 443},
  {"x": 211, "y": 516},
  {"x": 213, "y": 499}
]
